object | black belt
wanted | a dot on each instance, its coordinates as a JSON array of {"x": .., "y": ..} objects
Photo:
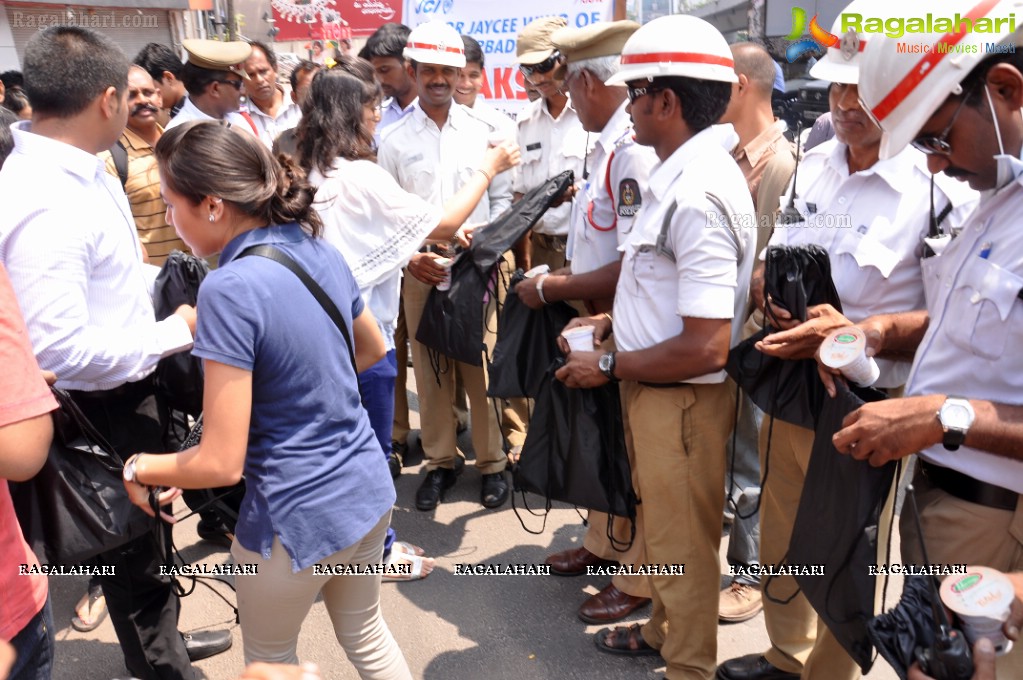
[
  {"x": 969, "y": 489},
  {"x": 662, "y": 385}
]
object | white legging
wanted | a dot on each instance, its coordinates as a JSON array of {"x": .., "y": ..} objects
[{"x": 273, "y": 604}]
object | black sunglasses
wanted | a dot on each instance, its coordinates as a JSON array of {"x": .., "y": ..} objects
[
  {"x": 236, "y": 84},
  {"x": 544, "y": 66},
  {"x": 939, "y": 145},
  {"x": 637, "y": 92}
]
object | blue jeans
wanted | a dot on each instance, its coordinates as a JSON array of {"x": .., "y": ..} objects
[
  {"x": 34, "y": 646},
  {"x": 377, "y": 386}
]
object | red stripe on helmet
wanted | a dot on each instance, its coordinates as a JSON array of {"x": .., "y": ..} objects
[
  {"x": 435, "y": 48},
  {"x": 925, "y": 66},
  {"x": 677, "y": 57}
]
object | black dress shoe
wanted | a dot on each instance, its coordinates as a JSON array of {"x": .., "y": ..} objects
[
  {"x": 752, "y": 667},
  {"x": 431, "y": 491},
  {"x": 213, "y": 530},
  {"x": 494, "y": 492},
  {"x": 206, "y": 643},
  {"x": 396, "y": 458}
]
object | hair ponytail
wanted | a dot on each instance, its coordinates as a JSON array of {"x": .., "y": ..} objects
[{"x": 293, "y": 199}]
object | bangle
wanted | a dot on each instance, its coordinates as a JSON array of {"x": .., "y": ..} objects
[
  {"x": 609, "y": 319},
  {"x": 539, "y": 288},
  {"x": 485, "y": 174}
]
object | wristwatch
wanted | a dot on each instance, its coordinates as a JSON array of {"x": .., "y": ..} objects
[
  {"x": 956, "y": 416},
  {"x": 129, "y": 469},
  {"x": 606, "y": 364}
]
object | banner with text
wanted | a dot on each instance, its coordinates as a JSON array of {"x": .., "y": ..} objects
[{"x": 496, "y": 26}]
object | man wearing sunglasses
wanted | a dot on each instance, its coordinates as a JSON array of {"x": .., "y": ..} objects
[
  {"x": 215, "y": 80},
  {"x": 963, "y": 409},
  {"x": 871, "y": 215}
]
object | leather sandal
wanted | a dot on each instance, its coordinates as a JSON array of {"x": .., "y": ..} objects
[{"x": 624, "y": 640}]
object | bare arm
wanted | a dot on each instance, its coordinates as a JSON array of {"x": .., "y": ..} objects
[
  {"x": 369, "y": 343},
  {"x": 598, "y": 284},
  {"x": 24, "y": 446}
]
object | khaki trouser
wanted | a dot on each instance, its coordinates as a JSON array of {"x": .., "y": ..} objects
[
  {"x": 800, "y": 642},
  {"x": 401, "y": 427},
  {"x": 514, "y": 412},
  {"x": 274, "y": 602},
  {"x": 548, "y": 250},
  {"x": 677, "y": 436},
  {"x": 438, "y": 433},
  {"x": 960, "y": 532}
]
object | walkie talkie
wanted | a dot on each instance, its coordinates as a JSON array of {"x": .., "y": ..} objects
[{"x": 949, "y": 657}]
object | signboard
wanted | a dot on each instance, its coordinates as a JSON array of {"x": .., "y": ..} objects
[
  {"x": 332, "y": 19},
  {"x": 496, "y": 26}
]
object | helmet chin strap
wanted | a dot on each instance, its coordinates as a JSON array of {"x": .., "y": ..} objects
[{"x": 994, "y": 118}]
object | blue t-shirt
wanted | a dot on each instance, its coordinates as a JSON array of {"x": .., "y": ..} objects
[{"x": 313, "y": 471}]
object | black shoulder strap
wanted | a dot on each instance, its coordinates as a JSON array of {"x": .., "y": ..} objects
[
  {"x": 120, "y": 156},
  {"x": 321, "y": 296}
]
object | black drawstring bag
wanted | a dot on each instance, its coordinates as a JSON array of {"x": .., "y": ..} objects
[
  {"x": 837, "y": 526},
  {"x": 910, "y": 624},
  {"x": 575, "y": 451},
  {"x": 795, "y": 278},
  {"x": 452, "y": 321},
  {"x": 527, "y": 343},
  {"x": 76, "y": 507},
  {"x": 179, "y": 377}
]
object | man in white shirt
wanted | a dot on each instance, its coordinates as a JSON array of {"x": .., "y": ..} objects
[
  {"x": 76, "y": 265},
  {"x": 214, "y": 78},
  {"x": 603, "y": 215},
  {"x": 431, "y": 152},
  {"x": 678, "y": 306},
  {"x": 467, "y": 93},
  {"x": 271, "y": 108},
  {"x": 551, "y": 138},
  {"x": 871, "y": 215},
  {"x": 385, "y": 50},
  {"x": 963, "y": 411}
]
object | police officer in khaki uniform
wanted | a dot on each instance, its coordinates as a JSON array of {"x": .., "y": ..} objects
[
  {"x": 215, "y": 80},
  {"x": 608, "y": 202}
]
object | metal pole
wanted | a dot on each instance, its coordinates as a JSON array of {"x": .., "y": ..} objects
[
  {"x": 618, "y": 13},
  {"x": 230, "y": 20}
]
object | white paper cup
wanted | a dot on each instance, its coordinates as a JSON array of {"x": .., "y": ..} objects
[
  {"x": 447, "y": 263},
  {"x": 580, "y": 338},
  {"x": 537, "y": 270},
  {"x": 844, "y": 349},
  {"x": 981, "y": 598}
]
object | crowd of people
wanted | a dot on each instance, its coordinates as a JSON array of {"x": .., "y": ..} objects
[{"x": 366, "y": 176}]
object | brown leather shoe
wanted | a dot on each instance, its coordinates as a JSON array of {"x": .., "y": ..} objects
[
  {"x": 573, "y": 562},
  {"x": 609, "y": 605}
]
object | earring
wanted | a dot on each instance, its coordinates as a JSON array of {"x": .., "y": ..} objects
[{"x": 212, "y": 218}]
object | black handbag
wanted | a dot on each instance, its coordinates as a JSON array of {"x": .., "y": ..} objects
[
  {"x": 179, "y": 377},
  {"x": 575, "y": 451},
  {"x": 527, "y": 343},
  {"x": 77, "y": 507}
]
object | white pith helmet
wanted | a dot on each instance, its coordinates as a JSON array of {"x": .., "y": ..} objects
[
  {"x": 676, "y": 45},
  {"x": 841, "y": 63},
  {"x": 435, "y": 42}
]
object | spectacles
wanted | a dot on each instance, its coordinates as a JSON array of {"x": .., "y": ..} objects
[
  {"x": 236, "y": 84},
  {"x": 637, "y": 92},
  {"x": 544, "y": 66},
  {"x": 939, "y": 145}
]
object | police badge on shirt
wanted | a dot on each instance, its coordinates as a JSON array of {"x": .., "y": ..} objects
[{"x": 629, "y": 198}]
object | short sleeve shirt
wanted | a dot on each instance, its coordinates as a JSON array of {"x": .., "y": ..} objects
[
  {"x": 24, "y": 395},
  {"x": 314, "y": 474}
]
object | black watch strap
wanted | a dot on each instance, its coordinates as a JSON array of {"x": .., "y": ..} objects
[{"x": 953, "y": 439}]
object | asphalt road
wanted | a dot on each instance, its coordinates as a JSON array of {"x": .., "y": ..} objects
[{"x": 449, "y": 627}]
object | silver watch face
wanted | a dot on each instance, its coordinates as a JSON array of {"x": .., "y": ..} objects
[
  {"x": 604, "y": 363},
  {"x": 956, "y": 415}
]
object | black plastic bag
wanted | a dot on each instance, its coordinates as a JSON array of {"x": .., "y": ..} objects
[
  {"x": 179, "y": 377},
  {"x": 910, "y": 624},
  {"x": 837, "y": 526},
  {"x": 527, "y": 343},
  {"x": 795, "y": 278},
  {"x": 575, "y": 448},
  {"x": 452, "y": 321},
  {"x": 76, "y": 507}
]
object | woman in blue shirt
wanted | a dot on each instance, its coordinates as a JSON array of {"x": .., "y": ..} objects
[{"x": 281, "y": 401}]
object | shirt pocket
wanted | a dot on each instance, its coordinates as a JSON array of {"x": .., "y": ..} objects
[
  {"x": 643, "y": 284},
  {"x": 424, "y": 180},
  {"x": 876, "y": 260},
  {"x": 978, "y": 310}
]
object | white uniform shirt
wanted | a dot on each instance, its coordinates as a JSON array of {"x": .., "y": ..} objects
[
  {"x": 377, "y": 226},
  {"x": 549, "y": 146},
  {"x": 68, "y": 241},
  {"x": 610, "y": 199},
  {"x": 191, "y": 112},
  {"x": 390, "y": 113},
  {"x": 268, "y": 128},
  {"x": 501, "y": 124},
  {"x": 434, "y": 163},
  {"x": 872, "y": 224},
  {"x": 708, "y": 279},
  {"x": 972, "y": 345}
]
